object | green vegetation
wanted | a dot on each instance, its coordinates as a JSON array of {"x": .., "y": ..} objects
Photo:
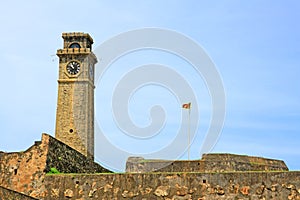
[{"x": 53, "y": 170}]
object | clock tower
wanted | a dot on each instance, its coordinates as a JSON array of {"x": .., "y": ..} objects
[{"x": 75, "y": 103}]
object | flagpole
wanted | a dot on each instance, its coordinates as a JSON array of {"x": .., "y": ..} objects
[
  {"x": 189, "y": 130},
  {"x": 188, "y": 106}
]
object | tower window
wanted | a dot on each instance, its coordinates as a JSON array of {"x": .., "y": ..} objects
[
  {"x": 71, "y": 131},
  {"x": 74, "y": 45}
]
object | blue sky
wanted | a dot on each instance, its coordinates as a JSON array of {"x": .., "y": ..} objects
[{"x": 255, "y": 46}]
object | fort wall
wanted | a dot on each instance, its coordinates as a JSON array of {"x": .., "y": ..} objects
[
  {"x": 218, "y": 176},
  {"x": 10, "y": 194},
  {"x": 24, "y": 172},
  {"x": 208, "y": 163},
  {"x": 176, "y": 186},
  {"x": 67, "y": 160}
]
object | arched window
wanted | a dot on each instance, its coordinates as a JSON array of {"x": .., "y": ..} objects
[{"x": 74, "y": 45}]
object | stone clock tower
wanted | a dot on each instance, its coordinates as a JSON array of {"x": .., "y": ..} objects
[{"x": 75, "y": 104}]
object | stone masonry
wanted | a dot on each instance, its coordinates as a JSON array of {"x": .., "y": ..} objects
[
  {"x": 64, "y": 168},
  {"x": 208, "y": 163},
  {"x": 75, "y": 102},
  {"x": 13, "y": 195},
  {"x": 25, "y": 172},
  {"x": 225, "y": 177},
  {"x": 176, "y": 186}
]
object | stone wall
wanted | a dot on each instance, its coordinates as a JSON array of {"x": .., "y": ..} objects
[
  {"x": 208, "y": 163},
  {"x": 67, "y": 160},
  {"x": 176, "y": 186},
  {"x": 7, "y": 194},
  {"x": 25, "y": 171}
]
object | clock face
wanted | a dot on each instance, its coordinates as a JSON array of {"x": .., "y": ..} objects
[{"x": 73, "y": 67}]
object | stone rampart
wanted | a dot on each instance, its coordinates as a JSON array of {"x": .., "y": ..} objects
[
  {"x": 215, "y": 176},
  {"x": 67, "y": 160},
  {"x": 208, "y": 163},
  {"x": 24, "y": 172},
  {"x": 176, "y": 186},
  {"x": 7, "y": 194}
]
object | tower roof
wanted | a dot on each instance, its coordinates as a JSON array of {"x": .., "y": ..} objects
[{"x": 77, "y": 35}]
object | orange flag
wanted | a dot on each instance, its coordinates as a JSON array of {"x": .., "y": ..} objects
[{"x": 186, "y": 105}]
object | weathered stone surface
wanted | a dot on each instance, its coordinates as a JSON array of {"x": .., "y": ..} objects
[
  {"x": 219, "y": 190},
  {"x": 25, "y": 171},
  {"x": 208, "y": 163},
  {"x": 181, "y": 190},
  {"x": 130, "y": 194},
  {"x": 67, "y": 160},
  {"x": 185, "y": 197},
  {"x": 245, "y": 190},
  {"x": 6, "y": 194},
  {"x": 162, "y": 191},
  {"x": 68, "y": 193},
  {"x": 205, "y": 186}
]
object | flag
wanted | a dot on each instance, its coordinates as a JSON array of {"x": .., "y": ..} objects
[{"x": 186, "y": 105}]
